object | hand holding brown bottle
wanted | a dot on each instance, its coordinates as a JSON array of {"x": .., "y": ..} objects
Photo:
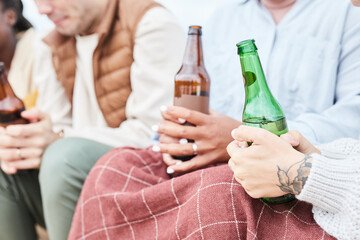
[
  {"x": 211, "y": 134},
  {"x": 21, "y": 146}
]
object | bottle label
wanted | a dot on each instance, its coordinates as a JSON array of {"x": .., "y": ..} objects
[
  {"x": 11, "y": 118},
  {"x": 196, "y": 103},
  {"x": 277, "y": 127}
]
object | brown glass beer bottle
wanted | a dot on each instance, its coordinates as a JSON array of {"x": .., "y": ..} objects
[
  {"x": 192, "y": 82},
  {"x": 10, "y": 105}
]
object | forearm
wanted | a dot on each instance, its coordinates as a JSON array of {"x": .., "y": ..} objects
[
  {"x": 132, "y": 133},
  {"x": 340, "y": 115},
  {"x": 341, "y": 119},
  {"x": 333, "y": 189}
]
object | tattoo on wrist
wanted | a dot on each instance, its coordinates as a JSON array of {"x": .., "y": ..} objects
[{"x": 294, "y": 185}]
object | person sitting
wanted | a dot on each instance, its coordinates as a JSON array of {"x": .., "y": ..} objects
[
  {"x": 101, "y": 75},
  {"x": 144, "y": 193},
  {"x": 16, "y": 44},
  {"x": 326, "y": 177}
]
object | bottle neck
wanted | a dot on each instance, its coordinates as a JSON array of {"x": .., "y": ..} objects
[
  {"x": 193, "y": 52},
  {"x": 254, "y": 78},
  {"x": 7, "y": 50},
  {"x": 5, "y": 89},
  {"x": 3, "y": 84}
]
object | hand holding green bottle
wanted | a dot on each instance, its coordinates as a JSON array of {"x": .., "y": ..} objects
[{"x": 272, "y": 166}]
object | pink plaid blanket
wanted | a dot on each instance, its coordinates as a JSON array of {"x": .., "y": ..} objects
[{"x": 128, "y": 195}]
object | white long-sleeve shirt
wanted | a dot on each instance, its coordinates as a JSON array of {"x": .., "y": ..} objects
[
  {"x": 311, "y": 60},
  {"x": 333, "y": 188},
  {"x": 158, "y": 52}
]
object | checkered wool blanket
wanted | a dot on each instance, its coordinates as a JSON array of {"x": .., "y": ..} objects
[{"x": 128, "y": 195}]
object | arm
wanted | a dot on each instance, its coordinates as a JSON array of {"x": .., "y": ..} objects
[
  {"x": 343, "y": 117},
  {"x": 158, "y": 50},
  {"x": 156, "y": 61},
  {"x": 329, "y": 181},
  {"x": 21, "y": 146},
  {"x": 152, "y": 73},
  {"x": 333, "y": 188}
]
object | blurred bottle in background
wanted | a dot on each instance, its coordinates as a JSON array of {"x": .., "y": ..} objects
[
  {"x": 10, "y": 105},
  {"x": 192, "y": 82}
]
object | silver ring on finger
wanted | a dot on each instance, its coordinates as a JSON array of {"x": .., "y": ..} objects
[
  {"x": 18, "y": 153},
  {"x": 195, "y": 147}
]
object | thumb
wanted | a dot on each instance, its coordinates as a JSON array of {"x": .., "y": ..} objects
[
  {"x": 299, "y": 142},
  {"x": 292, "y": 137},
  {"x": 251, "y": 134},
  {"x": 33, "y": 115}
]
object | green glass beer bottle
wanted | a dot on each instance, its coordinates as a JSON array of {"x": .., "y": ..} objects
[{"x": 261, "y": 109}]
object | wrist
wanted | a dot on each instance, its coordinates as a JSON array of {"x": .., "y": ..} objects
[{"x": 292, "y": 179}]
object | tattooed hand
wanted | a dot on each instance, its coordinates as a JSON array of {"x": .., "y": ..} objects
[
  {"x": 270, "y": 167},
  {"x": 288, "y": 184}
]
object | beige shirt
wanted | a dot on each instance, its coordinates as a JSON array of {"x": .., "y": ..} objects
[
  {"x": 158, "y": 52},
  {"x": 84, "y": 94}
]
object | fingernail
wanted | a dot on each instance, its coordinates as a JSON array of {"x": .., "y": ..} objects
[
  {"x": 170, "y": 171},
  {"x": 156, "y": 148},
  {"x": 242, "y": 144},
  {"x": 155, "y": 128},
  {"x": 181, "y": 120},
  {"x": 163, "y": 108},
  {"x": 183, "y": 141},
  {"x": 233, "y": 133},
  {"x": 178, "y": 163}
]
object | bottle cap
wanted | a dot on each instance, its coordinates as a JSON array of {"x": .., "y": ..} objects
[
  {"x": 195, "y": 30},
  {"x": 246, "y": 46}
]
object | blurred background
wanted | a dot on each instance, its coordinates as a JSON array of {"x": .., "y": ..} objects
[{"x": 189, "y": 12}]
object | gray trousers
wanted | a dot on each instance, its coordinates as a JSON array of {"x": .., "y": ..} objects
[{"x": 50, "y": 197}]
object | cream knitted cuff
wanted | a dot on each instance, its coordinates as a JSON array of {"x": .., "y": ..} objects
[{"x": 330, "y": 181}]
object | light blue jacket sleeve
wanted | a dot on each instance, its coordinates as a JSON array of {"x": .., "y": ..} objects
[{"x": 343, "y": 118}]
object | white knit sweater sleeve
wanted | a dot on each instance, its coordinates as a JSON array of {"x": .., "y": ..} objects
[{"x": 333, "y": 187}]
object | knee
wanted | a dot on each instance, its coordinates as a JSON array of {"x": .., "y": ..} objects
[
  {"x": 66, "y": 163},
  {"x": 58, "y": 165},
  {"x": 54, "y": 159}
]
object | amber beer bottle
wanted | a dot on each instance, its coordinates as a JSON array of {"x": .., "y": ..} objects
[
  {"x": 192, "y": 82},
  {"x": 10, "y": 105}
]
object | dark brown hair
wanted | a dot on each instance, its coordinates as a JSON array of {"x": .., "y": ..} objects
[{"x": 22, "y": 24}]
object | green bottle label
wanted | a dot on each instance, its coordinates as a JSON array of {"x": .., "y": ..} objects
[{"x": 277, "y": 127}]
